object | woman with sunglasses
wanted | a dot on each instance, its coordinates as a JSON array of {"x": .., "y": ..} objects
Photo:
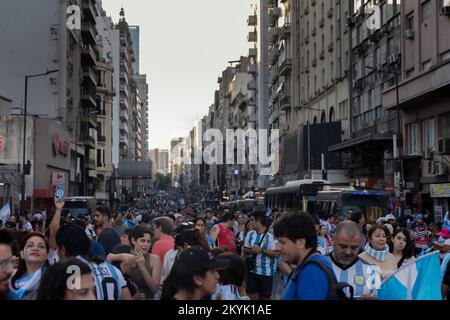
[{"x": 32, "y": 265}]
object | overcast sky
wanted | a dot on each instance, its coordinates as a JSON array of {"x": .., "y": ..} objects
[{"x": 184, "y": 46}]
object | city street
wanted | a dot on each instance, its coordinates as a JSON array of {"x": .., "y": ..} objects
[{"x": 229, "y": 150}]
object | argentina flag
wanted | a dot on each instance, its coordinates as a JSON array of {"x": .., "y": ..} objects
[
  {"x": 5, "y": 213},
  {"x": 417, "y": 280}
]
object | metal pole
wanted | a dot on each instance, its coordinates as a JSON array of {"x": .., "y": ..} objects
[
  {"x": 400, "y": 144},
  {"x": 23, "y": 198}
]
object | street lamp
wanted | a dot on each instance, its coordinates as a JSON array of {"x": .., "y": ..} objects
[
  {"x": 25, "y": 109},
  {"x": 397, "y": 149}
]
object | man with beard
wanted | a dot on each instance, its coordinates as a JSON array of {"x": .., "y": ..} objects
[
  {"x": 347, "y": 265},
  {"x": 6, "y": 263}
]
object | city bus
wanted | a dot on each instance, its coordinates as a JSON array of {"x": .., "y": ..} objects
[
  {"x": 294, "y": 195},
  {"x": 75, "y": 206},
  {"x": 337, "y": 200}
]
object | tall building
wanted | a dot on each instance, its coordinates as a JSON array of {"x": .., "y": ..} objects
[
  {"x": 134, "y": 34},
  {"x": 105, "y": 96},
  {"x": 142, "y": 87},
  {"x": 374, "y": 56},
  {"x": 42, "y": 42},
  {"x": 424, "y": 103}
]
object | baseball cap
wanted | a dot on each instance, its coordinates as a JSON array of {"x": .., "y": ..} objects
[
  {"x": 209, "y": 210},
  {"x": 381, "y": 220},
  {"x": 196, "y": 259},
  {"x": 390, "y": 217}
]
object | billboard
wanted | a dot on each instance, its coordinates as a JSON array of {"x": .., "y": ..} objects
[{"x": 135, "y": 169}]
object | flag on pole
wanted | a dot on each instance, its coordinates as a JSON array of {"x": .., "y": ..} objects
[
  {"x": 417, "y": 280},
  {"x": 5, "y": 213}
]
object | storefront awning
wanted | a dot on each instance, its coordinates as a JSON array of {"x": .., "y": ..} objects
[{"x": 346, "y": 145}]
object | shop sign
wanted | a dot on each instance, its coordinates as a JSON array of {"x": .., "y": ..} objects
[
  {"x": 440, "y": 190},
  {"x": 60, "y": 147}
]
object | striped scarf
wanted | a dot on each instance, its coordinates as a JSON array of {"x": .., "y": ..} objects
[{"x": 377, "y": 255}]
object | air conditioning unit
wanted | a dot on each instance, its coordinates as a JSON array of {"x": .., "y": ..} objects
[
  {"x": 440, "y": 168},
  {"x": 445, "y": 11},
  {"x": 444, "y": 146},
  {"x": 409, "y": 34}
]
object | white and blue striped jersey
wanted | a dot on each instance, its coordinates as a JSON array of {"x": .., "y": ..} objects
[
  {"x": 265, "y": 265},
  {"x": 109, "y": 280},
  {"x": 357, "y": 275}
]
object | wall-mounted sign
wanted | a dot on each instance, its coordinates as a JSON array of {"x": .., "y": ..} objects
[
  {"x": 440, "y": 190},
  {"x": 57, "y": 178},
  {"x": 60, "y": 147}
]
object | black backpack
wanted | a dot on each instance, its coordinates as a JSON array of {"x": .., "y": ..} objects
[{"x": 335, "y": 288}]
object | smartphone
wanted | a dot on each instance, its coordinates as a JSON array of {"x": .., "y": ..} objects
[{"x": 59, "y": 194}]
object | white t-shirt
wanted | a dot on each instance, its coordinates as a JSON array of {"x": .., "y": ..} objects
[
  {"x": 227, "y": 292},
  {"x": 27, "y": 226},
  {"x": 169, "y": 260}
]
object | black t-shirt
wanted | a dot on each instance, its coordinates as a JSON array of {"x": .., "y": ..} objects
[{"x": 108, "y": 238}]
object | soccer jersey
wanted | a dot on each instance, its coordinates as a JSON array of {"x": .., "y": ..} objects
[
  {"x": 265, "y": 265},
  {"x": 109, "y": 281},
  {"x": 360, "y": 275}
]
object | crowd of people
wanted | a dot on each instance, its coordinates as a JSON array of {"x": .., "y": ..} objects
[{"x": 210, "y": 254}]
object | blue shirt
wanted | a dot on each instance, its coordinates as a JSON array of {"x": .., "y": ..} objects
[{"x": 309, "y": 282}]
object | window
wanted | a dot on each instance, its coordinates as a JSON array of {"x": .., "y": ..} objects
[
  {"x": 426, "y": 10},
  {"x": 410, "y": 21},
  {"x": 429, "y": 134},
  {"x": 413, "y": 139},
  {"x": 445, "y": 125}
]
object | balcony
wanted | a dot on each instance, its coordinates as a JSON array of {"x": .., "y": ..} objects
[
  {"x": 314, "y": 62},
  {"x": 124, "y": 127},
  {"x": 88, "y": 141},
  {"x": 124, "y": 68},
  {"x": 314, "y": 32},
  {"x": 101, "y": 139},
  {"x": 306, "y": 9},
  {"x": 285, "y": 66},
  {"x": 124, "y": 115},
  {"x": 252, "y": 20},
  {"x": 253, "y": 69},
  {"x": 88, "y": 96},
  {"x": 90, "y": 164},
  {"x": 306, "y": 39},
  {"x": 273, "y": 76},
  {"x": 124, "y": 89},
  {"x": 252, "y": 53},
  {"x": 89, "y": 10},
  {"x": 124, "y": 54},
  {"x": 90, "y": 119},
  {"x": 88, "y": 73},
  {"x": 273, "y": 56},
  {"x": 252, "y": 36},
  {"x": 123, "y": 103},
  {"x": 124, "y": 140},
  {"x": 88, "y": 55},
  {"x": 285, "y": 31},
  {"x": 89, "y": 33},
  {"x": 273, "y": 34}
]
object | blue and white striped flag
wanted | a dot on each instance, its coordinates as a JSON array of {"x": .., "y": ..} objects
[
  {"x": 446, "y": 221},
  {"x": 5, "y": 213},
  {"x": 417, "y": 280}
]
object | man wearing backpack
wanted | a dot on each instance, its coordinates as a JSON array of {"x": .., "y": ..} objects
[{"x": 313, "y": 278}]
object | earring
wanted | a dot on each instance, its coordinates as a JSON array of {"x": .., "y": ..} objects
[{"x": 200, "y": 283}]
